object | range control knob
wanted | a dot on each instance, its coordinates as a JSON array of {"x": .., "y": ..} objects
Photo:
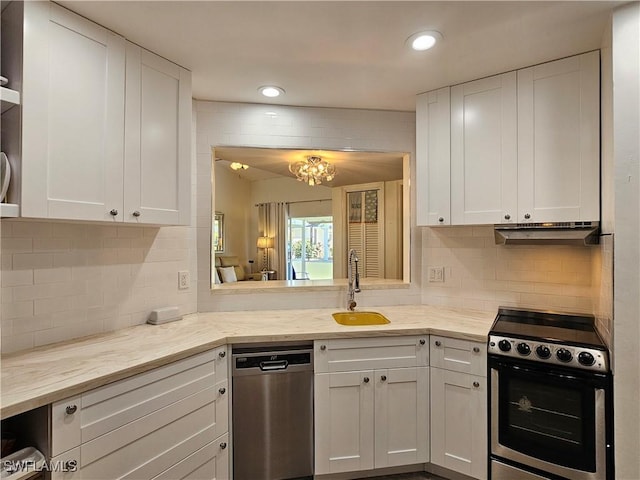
[
  {"x": 586, "y": 359},
  {"x": 504, "y": 345},
  {"x": 523, "y": 349},
  {"x": 543, "y": 352},
  {"x": 564, "y": 355}
]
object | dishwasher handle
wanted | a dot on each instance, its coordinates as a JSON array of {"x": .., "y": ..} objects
[{"x": 270, "y": 366}]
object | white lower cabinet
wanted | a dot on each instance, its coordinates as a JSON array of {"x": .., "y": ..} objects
[
  {"x": 459, "y": 406},
  {"x": 376, "y": 417},
  {"x": 170, "y": 422}
]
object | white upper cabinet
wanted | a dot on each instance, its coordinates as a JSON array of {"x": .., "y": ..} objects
[
  {"x": 157, "y": 139},
  {"x": 105, "y": 125},
  {"x": 559, "y": 140},
  {"x": 522, "y": 147},
  {"x": 433, "y": 158},
  {"x": 484, "y": 151},
  {"x": 73, "y": 116}
]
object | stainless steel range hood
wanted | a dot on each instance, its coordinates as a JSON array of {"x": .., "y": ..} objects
[{"x": 565, "y": 233}]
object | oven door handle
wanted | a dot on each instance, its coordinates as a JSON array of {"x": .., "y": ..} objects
[{"x": 542, "y": 371}]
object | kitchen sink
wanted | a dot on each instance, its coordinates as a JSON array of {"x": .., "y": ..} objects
[{"x": 360, "y": 318}]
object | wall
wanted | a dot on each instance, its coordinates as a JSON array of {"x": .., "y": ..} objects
[
  {"x": 62, "y": 281},
  {"x": 66, "y": 280},
  {"x": 603, "y": 256},
  {"x": 254, "y": 125},
  {"x": 626, "y": 148},
  {"x": 481, "y": 275}
]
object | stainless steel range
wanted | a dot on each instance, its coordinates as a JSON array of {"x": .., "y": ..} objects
[{"x": 550, "y": 396}]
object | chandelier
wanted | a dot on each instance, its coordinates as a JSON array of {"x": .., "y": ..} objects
[{"x": 313, "y": 171}]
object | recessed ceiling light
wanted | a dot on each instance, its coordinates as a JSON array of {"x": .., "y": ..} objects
[
  {"x": 424, "y": 40},
  {"x": 271, "y": 91}
]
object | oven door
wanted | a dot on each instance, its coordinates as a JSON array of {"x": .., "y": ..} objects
[{"x": 549, "y": 419}]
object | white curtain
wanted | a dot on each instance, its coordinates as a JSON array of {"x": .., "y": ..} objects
[{"x": 272, "y": 223}]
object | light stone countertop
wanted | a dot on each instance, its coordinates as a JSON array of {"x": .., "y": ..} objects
[{"x": 44, "y": 375}]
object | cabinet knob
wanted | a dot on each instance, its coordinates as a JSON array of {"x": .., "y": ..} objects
[
  {"x": 476, "y": 384},
  {"x": 71, "y": 409},
  {"x": 323, "y": 347},
  {"x": 438, "y": 343},
  {"x": 507, "y": 217},
  {"x": 383, "y": 378},
  {"x": 422, "y": 341},
  {"x": 222, "y": 354},
  {"x": 527, "y": 216},
  {"x": 136, "y": 213},
  {"x": 223, "y": 445},
  {"x": 441, "y": 219},
  {"x": 71, "y": 465},
  {"x": 365, "y": 379},
  {"x": 476, "y": 349},
  {"x": 114, "y": 212},
  {"x": 222, "y": 391}
]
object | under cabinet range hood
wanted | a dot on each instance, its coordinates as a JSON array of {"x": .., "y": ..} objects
[{"x": 561, "y": 233}]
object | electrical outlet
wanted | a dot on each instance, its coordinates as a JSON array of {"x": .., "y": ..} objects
[
  {"x": 436, "y": 274},
  {"x": 184, "y": 281}
]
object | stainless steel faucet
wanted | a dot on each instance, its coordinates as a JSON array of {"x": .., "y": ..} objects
[{"x": 354, "y": 280}]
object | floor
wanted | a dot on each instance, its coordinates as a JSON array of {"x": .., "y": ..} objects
[{"x": 408, "y": 476}]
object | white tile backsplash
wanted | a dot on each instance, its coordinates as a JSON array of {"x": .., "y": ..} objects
[
  {"x": 482, "y": 275},
  {"x": 64, "y": 280}
]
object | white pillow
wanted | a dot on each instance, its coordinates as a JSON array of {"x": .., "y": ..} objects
[
  {"x": 216, "y": 279},
  {"x": 228, "y": 274}
]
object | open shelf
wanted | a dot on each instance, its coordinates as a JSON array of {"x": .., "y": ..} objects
[{"x": 9, "y": 98}]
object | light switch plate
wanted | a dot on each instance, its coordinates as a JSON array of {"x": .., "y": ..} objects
[{"x": 436, "y": 274}]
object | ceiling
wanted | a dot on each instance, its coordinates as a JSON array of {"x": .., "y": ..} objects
[
  {"x": 348, "y": 54},
  {"x": 352, "y": 168}
]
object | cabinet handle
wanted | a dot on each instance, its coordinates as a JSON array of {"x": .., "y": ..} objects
[
  {"x": 476, "y": 349},
  {"x": 365, "y": 379},
  {"x": 441, "y": 219},
  {"x": 71, "y": 465},
  {"x": 438, "y": 343},
  {"x": 476, "y": 384},
  {"x": 383, "y": 378},
  {"x": 71, "y": 409},
  {"x": 422, "y": 341},
  {"x": 136, "y": 213},
  {"x": 222, "y": 354},
  {"x": 527, "y": 216},
  {"x": 323, "y": 347},
  {"x": 223, "y": 445},
  {"x": 114, "y": 212},
  {"x": 507, "y": 217},
  {"x": 222, "y": 391}
]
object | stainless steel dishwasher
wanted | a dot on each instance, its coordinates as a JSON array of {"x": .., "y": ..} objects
[{"x": 273, "y": 411}]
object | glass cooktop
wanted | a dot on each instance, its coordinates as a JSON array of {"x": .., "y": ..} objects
[{"x": 572, "y": 329}]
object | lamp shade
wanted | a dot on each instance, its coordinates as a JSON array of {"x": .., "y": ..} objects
[{"x": 263, "y": 242}]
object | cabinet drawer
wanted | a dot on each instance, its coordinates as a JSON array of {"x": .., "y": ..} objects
[
  {"x": 344, "y": 355},
  {"x": 459, "y": 355},
  {"x": 149, "y": 446},
  {"x": 100, "y": 411}
]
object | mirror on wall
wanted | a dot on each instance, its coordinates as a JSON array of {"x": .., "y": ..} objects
[
  {"x": 296, "y": 213},
  {"x": 217, "y": 232}
]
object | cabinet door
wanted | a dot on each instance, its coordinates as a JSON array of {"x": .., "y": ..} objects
[
  {"x": 73, "y": 116},
  {"x": 344, "y": 428},
  {"x": 433, "y": 158},
  {"x": 484, "y": 151},
  {"x": 559, "y": 140},
  {"x": 459, "y": 422},
  {"x": 401, "y": 416},
  {"x": 157, "y": 141}
]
